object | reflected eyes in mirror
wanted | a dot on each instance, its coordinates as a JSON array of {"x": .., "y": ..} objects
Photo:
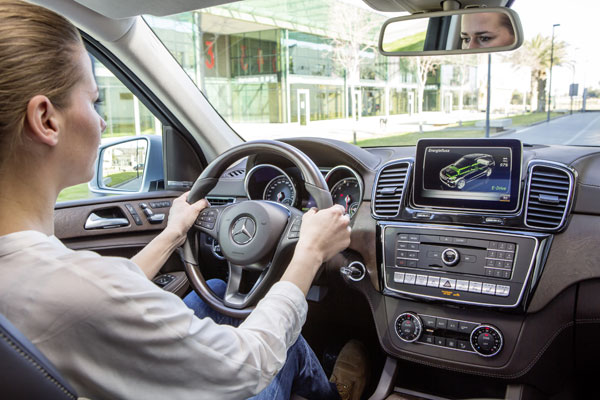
[{"x": 477, "y": 41}]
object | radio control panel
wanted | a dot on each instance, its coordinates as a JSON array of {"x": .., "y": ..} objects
[{"x": 458, "y": 265}]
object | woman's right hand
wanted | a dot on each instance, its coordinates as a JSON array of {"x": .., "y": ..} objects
[{"x": 324, "y": 233}]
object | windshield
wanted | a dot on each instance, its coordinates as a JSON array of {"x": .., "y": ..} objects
[{"x": 275, "y": 69}]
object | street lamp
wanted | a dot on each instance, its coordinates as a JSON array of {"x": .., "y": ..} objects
[{"x": 550, "y": 84}]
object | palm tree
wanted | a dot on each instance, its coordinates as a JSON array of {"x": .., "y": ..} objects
[{"x": 535, "y": 54}]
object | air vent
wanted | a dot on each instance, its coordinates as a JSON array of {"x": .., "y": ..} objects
[
  {"x": 549, "y": 196},
  {"x": 220, "y": 201},
  {"x": 236, "y": 173},
  {"x": 389, "y": 189}
]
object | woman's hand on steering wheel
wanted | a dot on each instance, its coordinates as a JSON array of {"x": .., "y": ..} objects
[{"x": 182, "y": 216}]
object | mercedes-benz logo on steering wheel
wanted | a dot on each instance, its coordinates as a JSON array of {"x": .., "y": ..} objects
[{"x": 243, "y": 230}]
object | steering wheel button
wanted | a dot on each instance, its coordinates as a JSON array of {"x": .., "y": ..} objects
[{"x": 294, "y": 235}]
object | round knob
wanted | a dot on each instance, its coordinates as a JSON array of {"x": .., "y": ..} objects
[
  {"x": 409, "y": 327},
  {"x": 486, "y": 340},
  {"x": 450, "y": 257}
]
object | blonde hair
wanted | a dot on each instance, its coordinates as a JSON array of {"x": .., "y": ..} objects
[{"x": 37, "y": 57}]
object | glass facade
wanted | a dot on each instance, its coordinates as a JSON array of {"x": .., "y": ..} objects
[{"x": 285, "y": 67}]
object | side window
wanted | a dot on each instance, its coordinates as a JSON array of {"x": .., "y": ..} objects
[{"x": 130, "y": 154}]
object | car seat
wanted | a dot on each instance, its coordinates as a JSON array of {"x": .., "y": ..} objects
[{"x": 25, "y": 373}]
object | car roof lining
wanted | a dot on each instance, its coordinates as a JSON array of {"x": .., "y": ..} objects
[{"x": 119, "y": 9}]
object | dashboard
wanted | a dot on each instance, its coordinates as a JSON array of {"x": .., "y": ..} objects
[{"x": 475, "y": 256}]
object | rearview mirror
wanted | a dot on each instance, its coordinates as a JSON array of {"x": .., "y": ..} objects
[{"x": 473, "y": 30}]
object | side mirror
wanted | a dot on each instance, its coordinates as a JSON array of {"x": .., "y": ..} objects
[
  {"x": 129, "y": 165},
  {"x": 472, "y": 30}
]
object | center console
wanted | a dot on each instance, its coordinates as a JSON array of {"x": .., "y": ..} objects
[{"x": 463, "y": 232}]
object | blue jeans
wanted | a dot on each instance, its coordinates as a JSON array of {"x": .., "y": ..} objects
[{"x": 301, "y": 374}]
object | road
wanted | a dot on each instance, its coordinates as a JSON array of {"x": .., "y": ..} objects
[{"x": 580, "y": 129}]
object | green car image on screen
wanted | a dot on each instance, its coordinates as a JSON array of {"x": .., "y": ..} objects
[{"x": 466, "y": 169}]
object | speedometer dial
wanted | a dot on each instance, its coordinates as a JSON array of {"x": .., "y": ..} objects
[
  {"x": 281, "y": 190},
  {"x": 347, "y": 193}
]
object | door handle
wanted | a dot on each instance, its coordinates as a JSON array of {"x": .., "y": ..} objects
[{"x": 94, "y": 221}]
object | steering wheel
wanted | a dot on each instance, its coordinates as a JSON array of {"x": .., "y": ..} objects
[{"x": 255, "y": 235}]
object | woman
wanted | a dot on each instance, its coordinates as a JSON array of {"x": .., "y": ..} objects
[
  {"x": 486, "y": 29},
  {"x": 100, "y": 320}
]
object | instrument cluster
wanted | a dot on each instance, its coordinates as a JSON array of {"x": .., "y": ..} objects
[{"x": 269, "y": 182}]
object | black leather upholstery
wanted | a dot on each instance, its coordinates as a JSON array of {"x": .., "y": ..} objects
[{"x": 24, "y": 371}]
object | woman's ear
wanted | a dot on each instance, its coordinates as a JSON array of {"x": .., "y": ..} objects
[{"x": 42, "y": 121}]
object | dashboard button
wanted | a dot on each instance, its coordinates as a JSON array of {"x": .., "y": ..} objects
[
  {"x": 421, "y": 280},
  {"x": 502, "y": 246},
  {"x": 464, "y": 345},
  {"x": 413, "y": 246},
  {"x": 469, "y": 258},
  {"x": 434, "y": 254},
  {"x": 452, "y": 325},
  {"x": 510, "y": 246},
  {"x": 488, "y": 288},
  {"x": 462, "y": 285},
  {"x": 451, "y": 343},
  {"x": 411, "y": 263},
  {"x": 466, "y": 327},
  {"x": 433, "y": 281},
  {"x": 460, "y": 240},
  {"x": 493, "y": 245},
  {"x": 410, "y": 279},
  {"x": 428, "y": 322},
  {"x": 429, "y": 339},
  {"x": 494, "y": 220},
  {"x": 441, "y": 323},
  {"x": 489, "y": 271},
  {"x": 440, "y": 341},
  {"x": 475, "y": 287},
  {"x": 401, "y": 263},
  {"x": 413, "y": 238},
  {"x": 445, "y": 239},
  {"x": 399, "y": 277},
  {"x": 403, "y": 237},
  {"x": 502, "y": 290},
  {"x": 446, "y": 283},
  {"x": 402, "y": 246}
]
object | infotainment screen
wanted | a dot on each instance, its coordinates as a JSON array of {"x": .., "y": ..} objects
[{"x": 468, "y": 174}]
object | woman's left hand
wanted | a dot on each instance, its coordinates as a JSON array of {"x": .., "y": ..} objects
[{"x": 182, "y": 216}]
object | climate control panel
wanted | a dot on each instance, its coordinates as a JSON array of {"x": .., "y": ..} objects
[{"x": 480, "y": 338}]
